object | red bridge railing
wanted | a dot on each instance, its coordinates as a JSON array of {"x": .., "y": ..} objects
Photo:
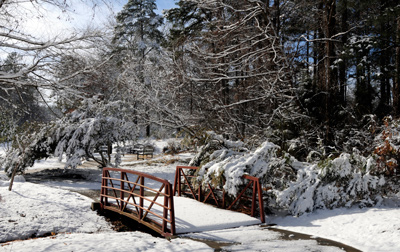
[
  {"x": 186, "y": 183},
  {"x": 127, "y": 192}
]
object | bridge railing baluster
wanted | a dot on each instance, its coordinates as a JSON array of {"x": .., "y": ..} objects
[{"x": 138, "y": 205}]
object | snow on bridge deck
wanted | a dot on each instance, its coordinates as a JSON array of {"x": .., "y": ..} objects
[{"x": 193, "y": 216}]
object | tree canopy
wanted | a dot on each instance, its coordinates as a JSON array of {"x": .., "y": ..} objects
[{"x": 316, "y": 78}]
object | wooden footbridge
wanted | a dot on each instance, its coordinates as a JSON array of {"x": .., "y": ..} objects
[{"x": 132, "y": 194}]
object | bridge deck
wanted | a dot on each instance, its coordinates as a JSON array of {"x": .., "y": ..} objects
[{"x": 193, "y": 216}]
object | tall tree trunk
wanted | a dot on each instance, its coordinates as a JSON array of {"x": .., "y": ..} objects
[
  {"x": 276, "y": 19},
  {"x": 396, "y": 84},
  {"x": 330, "y": 79},
  {"x": 320, "y": 73},
  {"x": 343, "y": 64},
  {"x": 384, "y": 60}
]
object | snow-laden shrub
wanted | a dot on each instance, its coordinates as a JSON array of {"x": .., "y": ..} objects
[
  {"x": 173, "y": 147},
  {"x": 388, "y": 148},
  {"x": 339, "y": 182},
  {"x": 211, "y": 142},
  {"x": 224, "y": 162},
  {"x": 298, "y": 187},
  {"x": 233, "y": 165}
]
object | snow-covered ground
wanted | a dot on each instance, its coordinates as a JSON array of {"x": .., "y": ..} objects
[
  {"x": 368, "y": 229},
  {"x": 50, "y": 207}
]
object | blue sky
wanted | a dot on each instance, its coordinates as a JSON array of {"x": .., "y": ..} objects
[
  {"x": 165, "y": 4},
  {"x": 161, "y": 4},
  {"x": 82, "y": 16}
]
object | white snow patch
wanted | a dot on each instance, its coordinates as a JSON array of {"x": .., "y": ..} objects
[
  {"x": 367, "y": 229},
  {"x": 33, "y": 210}
]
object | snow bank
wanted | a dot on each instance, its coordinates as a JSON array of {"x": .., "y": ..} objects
[
  {"x": 367, "y": 229},
  {"x": 35, "y": 210},
  {"x": 129, "y": 241}
]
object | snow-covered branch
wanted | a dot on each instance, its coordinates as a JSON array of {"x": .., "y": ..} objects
[
  {"x": 38, "y": 54},
  {"x": 236, "y": 68}
]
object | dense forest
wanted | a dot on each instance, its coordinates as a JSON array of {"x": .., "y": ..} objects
[
  {"x": 319, "y": 79},
  {"x": 309, "y": 70}
]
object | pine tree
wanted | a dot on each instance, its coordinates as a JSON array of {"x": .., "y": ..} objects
[
  {"x": 187, "y": 20},
  {"x": 137, "y": 31},
  {"x": 138, "y": 39}
]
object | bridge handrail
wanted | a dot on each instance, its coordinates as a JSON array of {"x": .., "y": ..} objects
[
  {"x": 122, "y": 187},
  {"x": 199, "y": 194}
]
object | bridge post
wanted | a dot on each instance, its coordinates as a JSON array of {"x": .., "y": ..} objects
[
  {"x": 172, "y": 209},
  {"x": 177, "y": 181},
  {"x": 104, "y": 184},
  {"x": 169, "y": 209},
  {"x": 121, "y": 193},
  {"x": 141, "y": 201},
  {"x": 260, "y": 202},
  {"x": 253, "y": 200}
]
